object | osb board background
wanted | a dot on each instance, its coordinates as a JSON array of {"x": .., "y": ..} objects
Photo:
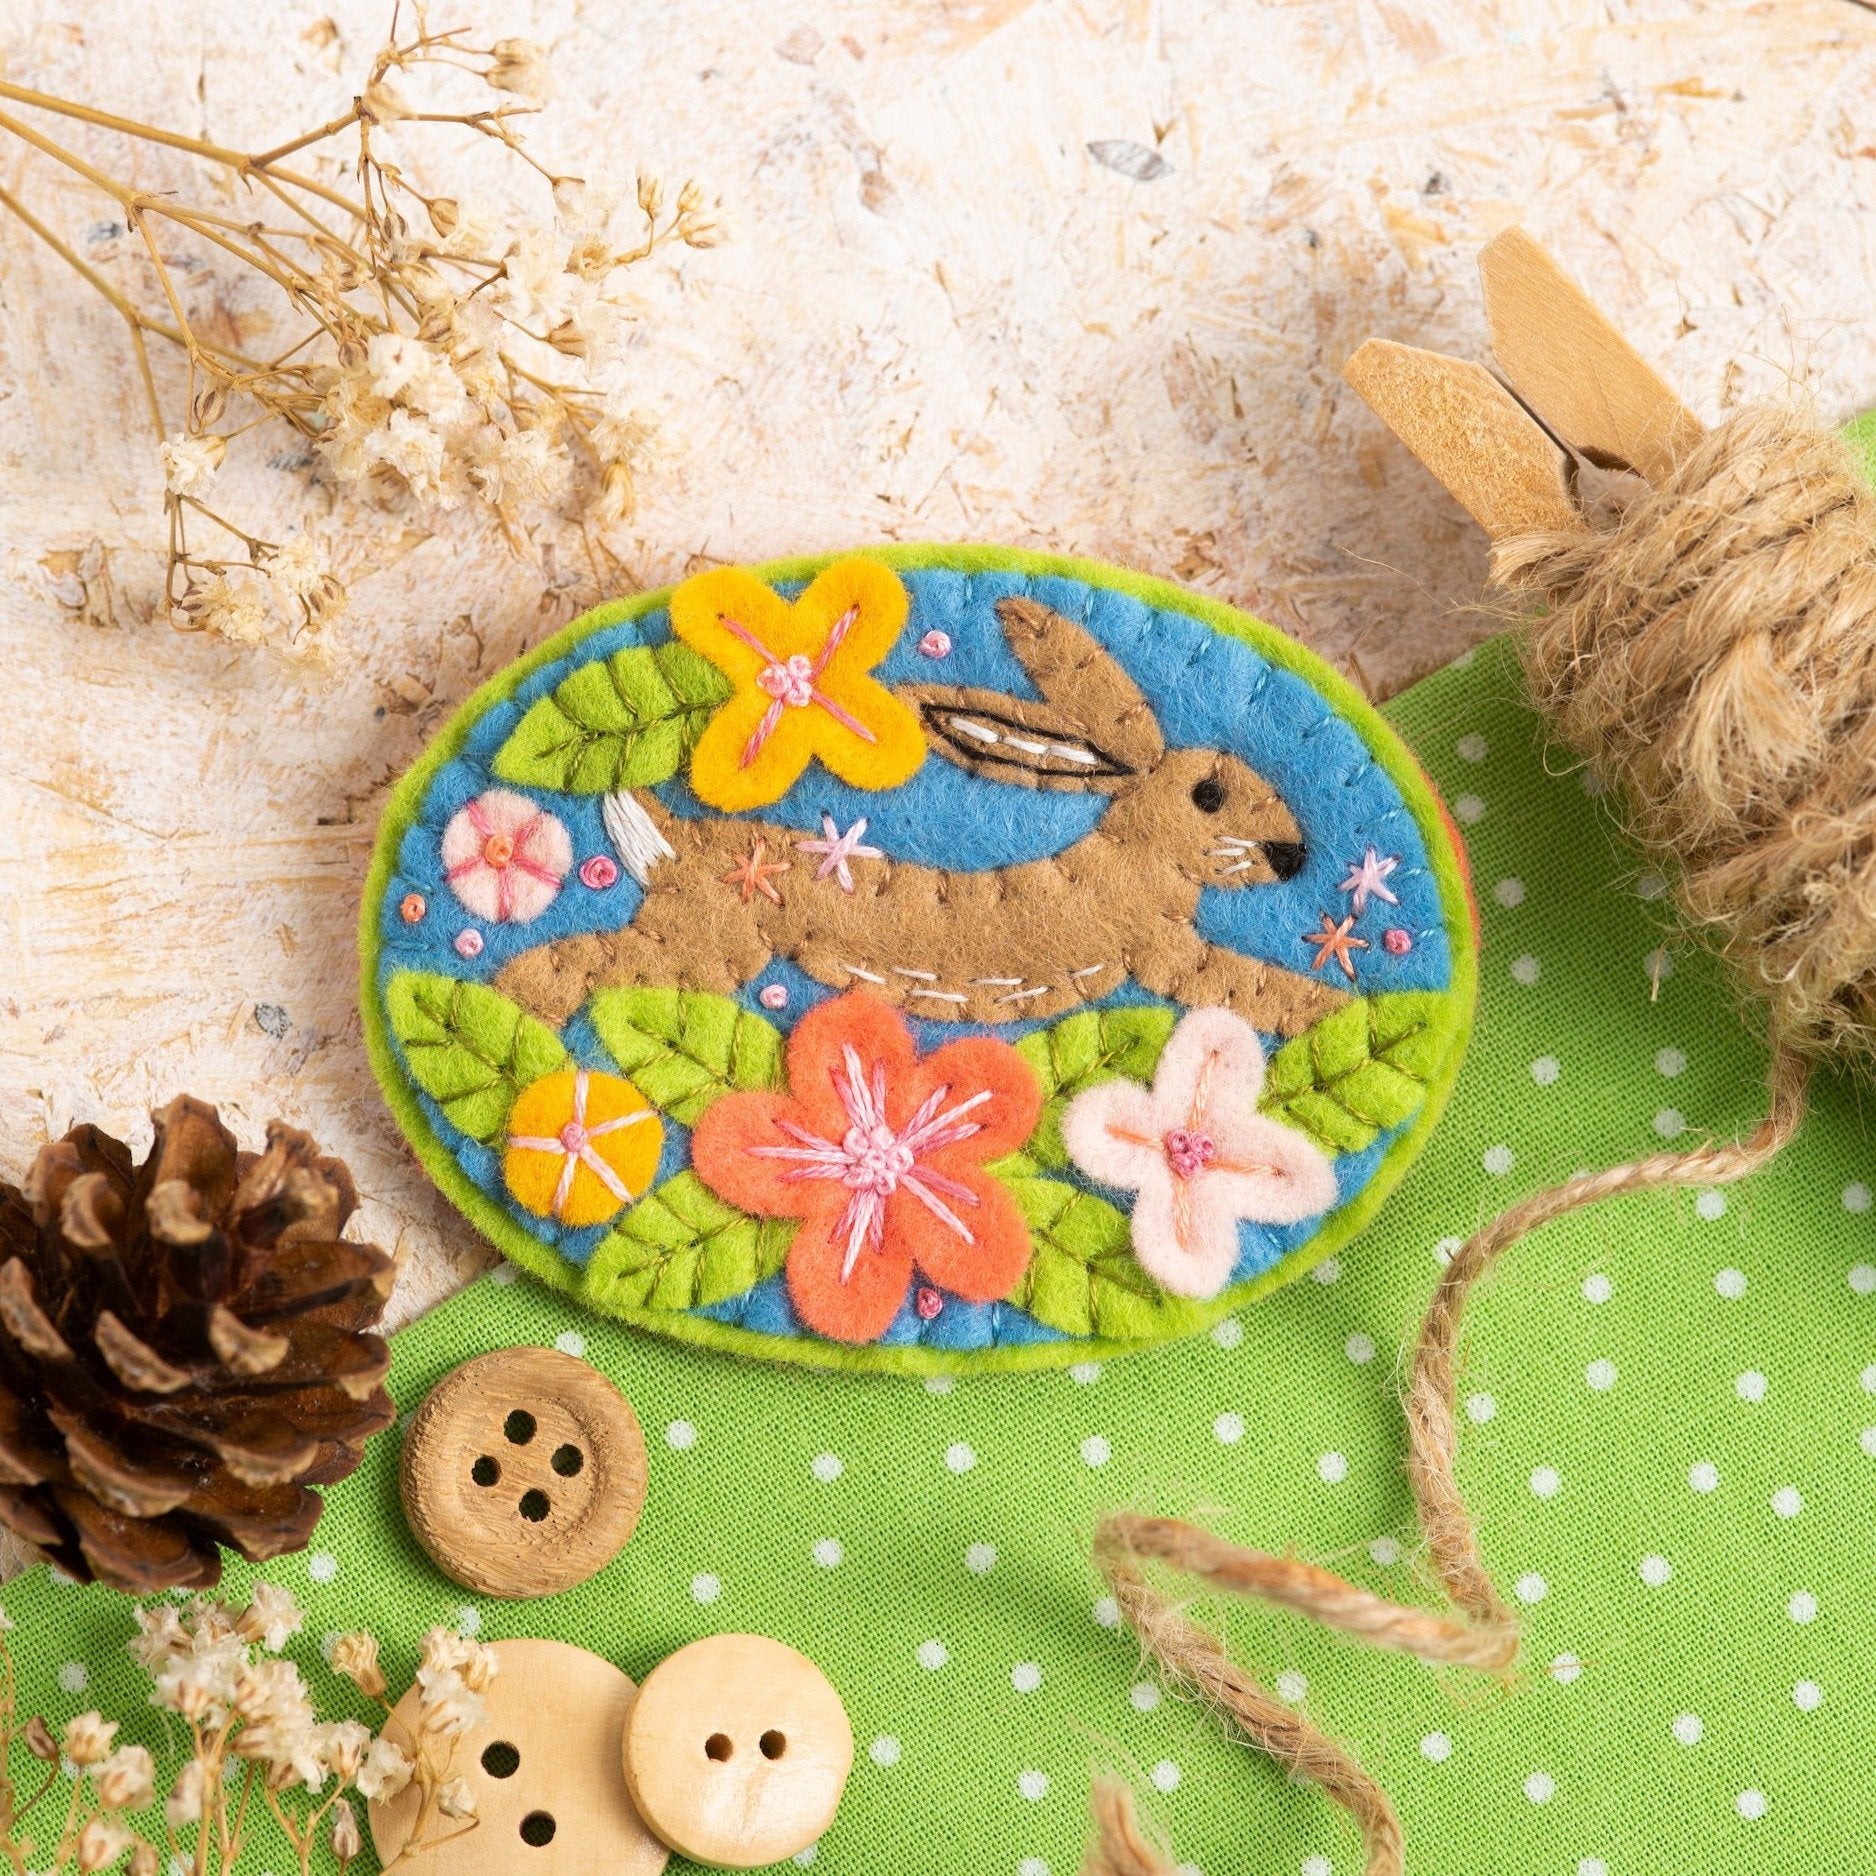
[{"x": 941, "y": 317}]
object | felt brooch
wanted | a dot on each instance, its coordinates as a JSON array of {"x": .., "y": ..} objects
[{"x": 929, "y": 958}]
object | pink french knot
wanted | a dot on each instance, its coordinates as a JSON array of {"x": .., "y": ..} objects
[
  {"x": 505, "y": 856},
  {"x": 469, "y": 943},
  {"x": 599, "y": 872},
  {"x": 773, "y": 996},
  {"x": 935, "y": 644},
  {"x": 1196, "y": 1154},
  {"x": 794, "y": 682},
  {"x": 1397, "y": 943},
  {"x": 927, "y": 1302}
]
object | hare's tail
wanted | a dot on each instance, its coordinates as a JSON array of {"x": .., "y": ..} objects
[{"x": 635, "y": 836}]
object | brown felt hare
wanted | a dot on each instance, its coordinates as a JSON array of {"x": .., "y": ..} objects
[{"x": 723, "y": 897}]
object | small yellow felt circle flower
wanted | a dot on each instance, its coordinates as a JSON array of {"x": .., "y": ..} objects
[
  {"x": 581, "y": 1146},
  {"x": 803, "y": 682}
]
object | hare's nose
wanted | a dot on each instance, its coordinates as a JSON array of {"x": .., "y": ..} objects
[{"x": 1286, "y": 857}]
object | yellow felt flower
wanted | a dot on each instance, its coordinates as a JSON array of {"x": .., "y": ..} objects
[
  {"x": 581, "y": 1146},
  {"x": 803, "y": 683}
]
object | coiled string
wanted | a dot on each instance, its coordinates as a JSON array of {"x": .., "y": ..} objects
[{"x": 1707, "y": 646}]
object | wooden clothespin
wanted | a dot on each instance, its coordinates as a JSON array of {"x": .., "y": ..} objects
[{"x": 1576, "y": 388}]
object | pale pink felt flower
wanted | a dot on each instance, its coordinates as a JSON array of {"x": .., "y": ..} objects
[
  {"x": 505, "y": 856},
  {"x": 1196, "y": 1153}
]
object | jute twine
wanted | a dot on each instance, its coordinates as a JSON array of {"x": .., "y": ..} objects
[{"x": 1707, "y": 646}]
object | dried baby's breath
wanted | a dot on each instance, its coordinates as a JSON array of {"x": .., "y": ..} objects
[{"x": 426, "y": 350}]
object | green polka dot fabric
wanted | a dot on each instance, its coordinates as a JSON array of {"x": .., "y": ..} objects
[{"x": 1670, "y": 1442}]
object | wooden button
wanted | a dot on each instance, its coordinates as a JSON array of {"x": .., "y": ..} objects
[
  {"x": 737, "y": 1750},
  {"x": 544, "y": 1769},
  {"x": 523, "y": 1472}
]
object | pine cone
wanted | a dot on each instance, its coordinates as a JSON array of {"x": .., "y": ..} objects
[{"x": 185, "y": 1348}]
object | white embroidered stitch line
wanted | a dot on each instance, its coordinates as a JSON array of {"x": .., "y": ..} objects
[
  {"x": 983, "y": 733},
  {"x": 634, "y": 836}
]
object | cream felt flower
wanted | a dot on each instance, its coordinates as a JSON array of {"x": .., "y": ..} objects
[
  {"x": 505, "y": 856},
  {"x": 1196, "y": 1153}
]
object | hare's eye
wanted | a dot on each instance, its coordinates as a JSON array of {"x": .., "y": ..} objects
[{"x": 1208, "y": 796}]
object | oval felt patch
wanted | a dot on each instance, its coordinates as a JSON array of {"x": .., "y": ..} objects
[{"x": 926, "y": 958}]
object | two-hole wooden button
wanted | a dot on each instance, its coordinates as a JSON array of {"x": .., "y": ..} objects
[
  {"x": 523, "y": 1472},
  {"x": 737, "y": 1750},
  {"x": 544, "y": 1768}
]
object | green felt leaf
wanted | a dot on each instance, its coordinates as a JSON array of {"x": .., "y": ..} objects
[
  {"x": 681, "y": 1247},
  {"x": 622, "y": 722},
  {"x": 469, "y": 1048},
  {"x": 684, "y": 1048},
  {"x": 1359, "y": 1071},
  {"x": 1083, "y": 1277},
  {"x": 1082, "y": 1050}
]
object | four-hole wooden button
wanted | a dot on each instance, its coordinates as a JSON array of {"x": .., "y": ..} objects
[
  {"x": 544, "y": 1768},
  {"x": 737, "y": 1750},
  {"x": 523, "y": 1472}
]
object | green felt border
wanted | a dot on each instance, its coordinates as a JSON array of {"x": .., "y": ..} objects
[{"x": 1443, "y": 852}]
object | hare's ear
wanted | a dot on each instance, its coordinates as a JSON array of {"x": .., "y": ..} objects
[{"x": 1093, "y": 731}]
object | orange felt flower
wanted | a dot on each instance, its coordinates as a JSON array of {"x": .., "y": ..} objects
[
  {"x": 881, "y": 1156},
  {"x": 581, "y": 1146},
  {"x": 803, "y": 683}
]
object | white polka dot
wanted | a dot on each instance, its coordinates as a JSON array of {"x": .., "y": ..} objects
[
  {"x": 1498, "y": 1160},
  {"x": 1165, "y": 1776},
  {"x": 1564, "y": 1669},
  {"x": 570, "y": 1342},
  {"x": 932, "y": 1655},
  {"x": 1446, "y": 1250},
  {"x": 1807, "y": 1696},
  {"x": 959, "y": 1457},
  {"x": 1292, "y": 1686},
  {"x": 828, "y": 1551},
  {"x": 1650, "y": 885},
  {"x": 1524, "y": 970},
  {"x": 826, "y": 1467},
  {"x": 1658, "y": 966},
  {"x": 1670, "y": 1062},
  {"x": 940, "y": 1383},
  {"x": 1228, "y": 1428},
  {"x": 1540, "y": 1787},
  {"x": 1856, "y": 1197},
  {"x": 1600, "y": 1375},
  {"x": 1670, "y": 1122},
  {"x": 1688, "y": 1728},
  {"x": 1867, "y": 1379},
  {"x": 1385, "y": 1551},
  {"x": 504, "y": 1273},
  {"x": 1480, "y": 1408},
  {"x": 1228, "y": 1333},
  {"x": 1730, "y": 1283},
  {"x": 1545, "y": 1070},
  {"x": 1469, "y": 809},
  {"x": 74, "y": 1677},
  {"x": 1025, "y": 1677},
  {"x": 1711, "y": 1205},
  {"x": 1033, "y": 1785},
  {"x": 1317, "y": 1866},
  {"x": 1143, "y": 1696},
  {"x": 1530, "y": 1588},
  {"x": 1802, "y": 1607},
  {"x": 1867, "y": 1440},
  {"x": 1471, "y": 747},
  {"x": 980, "y": 1559},
  {"x": 1359, "y": 1348},
  {"x": 1095, "y": 1451},
  {"x": 468, "y": 1619},
  {"x": 805, "y": 1859},
  {"x": 1546, "y": 1482},
  {"x": 1750, "y": 1804},
  {"x": 1332, "y": 1468},
  {"x": 1750, "y": 1386},
  {"x": 1863, "y": 1279},
  {"x": 884, "y": 1751},
  {"x": 1032, "y": 1866},
  {"x": 1787, "y": 1502},
  {"x": 1328, "y": 1270},
  {"x": 705, "y": 1587},
  {"x": 1591, "y": 1866},
  {"x": 329, "y": 1641},
  {"x": 1703, "y": 1476},
  {"x": 1509, "y": 893},
  {"x": 1437, "y": 1747},
  {"x": 322, "y": 1566},
  {"x": 1655, "y": 1569},
  {"x": 1106, "y": 1612},
  {"x": 680, "y": 1436},
  {"x": 1597, "y": 1288},
  {"x": 1085, "y": 1373}
]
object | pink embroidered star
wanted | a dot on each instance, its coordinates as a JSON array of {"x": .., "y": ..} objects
[
  {"x": 839, "y": 849},
  {"x": 1337, "y": 941},
  {"x": 752, "y": 876},
  {"x": 1369, "y": 875}
]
